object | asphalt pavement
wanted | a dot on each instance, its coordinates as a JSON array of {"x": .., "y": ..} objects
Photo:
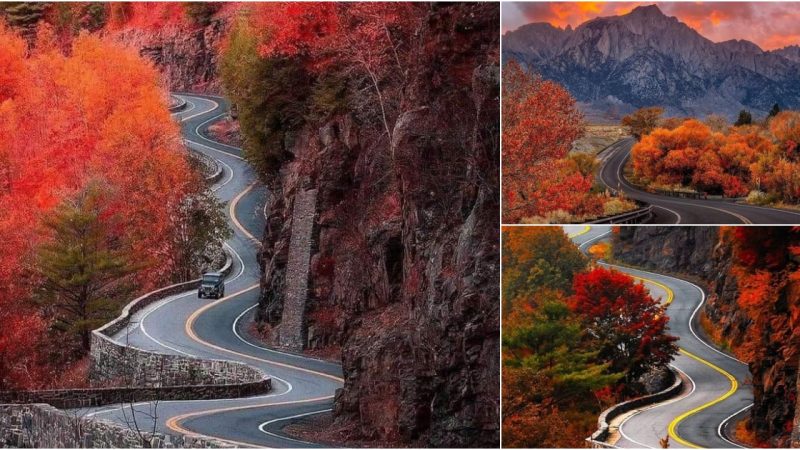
[
  {"x": 674, "y": 210},
  {"x": 715, "y": 394},
  {"x": 217, "y": 329}
]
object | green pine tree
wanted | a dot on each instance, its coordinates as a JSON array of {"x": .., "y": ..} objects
[
  {"x": 552, "y": 343},
  {"x": 84, "y": 268},
  {"x": 23, "y": 16},
  {"x": 774, "y": 111},
  {"x": 745, "y": 118}
]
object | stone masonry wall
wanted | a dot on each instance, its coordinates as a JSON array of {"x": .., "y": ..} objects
[
  {"x": 43, "y": 426},
  {"x": 84, "y": 398},
  {"x": 122, "y": 365},
  {"x": 303, "y": 217}
]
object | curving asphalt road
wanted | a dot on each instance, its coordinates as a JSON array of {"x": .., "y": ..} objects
[
  {"x": 216, "y": 329},
  {"x": 671, "y": 210},
  {"x": 715, "y": 393}
]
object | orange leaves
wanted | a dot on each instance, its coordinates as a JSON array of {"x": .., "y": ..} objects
[
  {"x": 693, "y": 155},
  {"x": 98, "y": 113},
  {"x": 540, "y": 122}
]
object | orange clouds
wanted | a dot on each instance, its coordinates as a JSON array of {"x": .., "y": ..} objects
[{"x": 769, "y": 24}]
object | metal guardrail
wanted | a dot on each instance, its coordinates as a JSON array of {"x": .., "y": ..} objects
[{"x": 640, "y": 215}]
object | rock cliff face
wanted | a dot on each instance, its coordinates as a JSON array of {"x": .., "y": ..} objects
[
  {"x": 404, "y": 248},
  {"x": 646, "y": 58},
  {"x": 187, "y": 56},
  {"x": 701, "y": 254}
]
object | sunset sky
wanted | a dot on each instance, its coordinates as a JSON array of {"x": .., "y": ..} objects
[{"x": 771, "y": 25}]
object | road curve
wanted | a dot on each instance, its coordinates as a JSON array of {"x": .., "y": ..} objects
[
  {"x": 217, "y": 329},
  {"x": 715, "y": 393},
  {"x": 669, "y": 210}
]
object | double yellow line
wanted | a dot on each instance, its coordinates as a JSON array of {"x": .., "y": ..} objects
[
  {"x": 734, "y": 385},
  {"x": 174, "y": 423},
  {"x": 585, "y": 230},
  {"x": 672, "y": 429}
]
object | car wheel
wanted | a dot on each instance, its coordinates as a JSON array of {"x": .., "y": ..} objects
[{"x": 199, "y": 295}]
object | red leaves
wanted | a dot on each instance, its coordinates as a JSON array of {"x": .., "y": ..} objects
[
  {"x": 622, "y": 314},
  {"x": 64, "y": 120},
  {"x": 540, "y": 122}
]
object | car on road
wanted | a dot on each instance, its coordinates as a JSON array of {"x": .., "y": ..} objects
[{"x": 212, "y": 285}]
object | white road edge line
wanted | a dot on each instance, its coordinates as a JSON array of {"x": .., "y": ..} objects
[
  {"x": 281, "y": 419},
  {"x": 657, "y": 405}
]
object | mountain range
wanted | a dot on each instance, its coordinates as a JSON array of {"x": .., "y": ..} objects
[{"x": 613, "y": 65}]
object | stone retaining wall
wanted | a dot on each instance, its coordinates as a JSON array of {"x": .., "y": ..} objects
[
  {"x": 90, "y": 397},
  {"x": 303, "y": 217},
  {"x": 123, "y": 365},
  {"x": 43, "y": 426},
  {"x": 598, "y": 439}
]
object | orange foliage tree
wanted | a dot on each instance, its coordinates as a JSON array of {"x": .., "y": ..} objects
[
  {"x": 766, "y": 265},
  {"x": 693, "y": 155},
  {"x": 540, "y": 122},
  {"x": 63, "y": 121}
]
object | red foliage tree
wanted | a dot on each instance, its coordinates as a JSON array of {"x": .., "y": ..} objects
[
  {"x": 63, "y": 122},
  {"x": 540, "y": 122},
  {"x": 621, "y": 313}
]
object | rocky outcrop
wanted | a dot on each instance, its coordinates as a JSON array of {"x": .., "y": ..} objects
[
  {"x": 404, "y": 266},
  {"x": 703, "y": 255},
  {"x": 646, "y": 58},
  {"x": 187, "y": 56}
]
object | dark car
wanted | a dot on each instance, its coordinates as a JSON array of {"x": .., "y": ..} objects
[{"x": 212, "y": 285}]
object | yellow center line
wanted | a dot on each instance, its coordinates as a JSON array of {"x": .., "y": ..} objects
[
  {"x": 189, "y": 328},
  {"x": 174, "y": 423},
  {"x": 673, "y": 425},
  {"x": 585, "y": 230},
  {"x": 672, "y": 429},
  {"x": 232, "y": 211},
  {"x": 670, "y": 294}
]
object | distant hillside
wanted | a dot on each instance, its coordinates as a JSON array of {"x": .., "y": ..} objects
[{"x": 613, "y": 65}]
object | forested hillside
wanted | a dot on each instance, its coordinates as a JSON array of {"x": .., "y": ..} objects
[{"x": 388, "y": 113}]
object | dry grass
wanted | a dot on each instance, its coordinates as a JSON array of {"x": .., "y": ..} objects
[{"x": 598, "y": 137}]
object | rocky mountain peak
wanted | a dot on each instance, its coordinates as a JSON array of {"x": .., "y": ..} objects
[{"x": 646, "y": 58}]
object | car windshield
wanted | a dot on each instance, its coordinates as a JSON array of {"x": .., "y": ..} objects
[{"x": 210, "y": 278}]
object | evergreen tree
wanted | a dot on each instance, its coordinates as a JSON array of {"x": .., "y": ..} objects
[
  {"x": 84, "y": 268},
  {"x": 23, "y": 16},
  {"x": 551, "y": 341},
  {"x": 774, "y": 111},
  {"x": 745, "y": 118}
]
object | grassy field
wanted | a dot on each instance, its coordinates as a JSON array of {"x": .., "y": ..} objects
[{"x": 598, "y": 137}]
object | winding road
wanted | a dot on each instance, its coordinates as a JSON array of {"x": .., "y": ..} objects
[
  {"x": 673, "y": 210},
  {"x": 217, "y": 329},
  {"x": 715, "y": 392}
]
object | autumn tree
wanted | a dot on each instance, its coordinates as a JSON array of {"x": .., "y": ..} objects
[
  {"x": 643, "y": 121},
  {"x": 200, "y": 227},
  {"x": 621, "y": 314},
  {"x": 536, "y": 258},
  {"x": 130, "y": 142},
  {"x": 549, "y": 369},
  {"x": 268, "y": 95},
  {"x": 540, "y": 122},
  {"x": 82, "y": 264}
]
